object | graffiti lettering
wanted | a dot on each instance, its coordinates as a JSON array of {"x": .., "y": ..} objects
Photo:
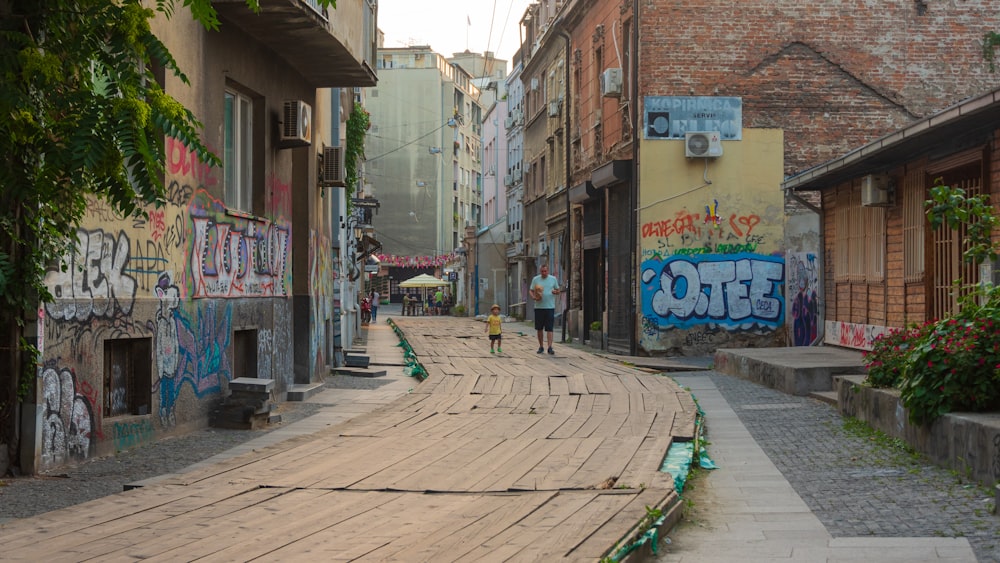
[
  {"x": 726, "y": 290},
  {"x": 229, "y": 262},
  {"x": 68, "y": 419},
  {"x": 147, "y": 262},
  {"x": 684, "y": 222},
  {"x": 178, "y": 194},
  {"x": 853, "y": 335},
  {"x": 182, "y": 161},
  {"x": 93, "y": 281},
  {"x": 156, "y": 224},
  {"x": 131, "y": 434}
]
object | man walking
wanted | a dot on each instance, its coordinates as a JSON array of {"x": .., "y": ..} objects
[{"x": 544, "y": 289}]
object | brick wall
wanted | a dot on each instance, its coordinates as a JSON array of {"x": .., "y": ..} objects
[{"x": 833, "y": 74}]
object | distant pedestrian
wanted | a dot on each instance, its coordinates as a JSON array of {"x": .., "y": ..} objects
[
  {"x": 494, "y": 328},
  {"x": 544, "y": 289},
  {"x": 375, "y": 297},
  {"x": 438, "y": 302}
]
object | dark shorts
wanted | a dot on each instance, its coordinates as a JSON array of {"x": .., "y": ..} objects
[
  {"x": 494, "y": 337},
  {"x": 545, "y": 319}
]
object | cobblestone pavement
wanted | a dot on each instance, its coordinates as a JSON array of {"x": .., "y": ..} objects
[
  {"x": 856, "y": 483},
  {"x": 21, "y": 497}
]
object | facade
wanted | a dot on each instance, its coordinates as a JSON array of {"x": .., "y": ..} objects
[
  {"x": 513, "y": 180},
  {"x": 885, "y": 267},
  {"x": 492, "y": 239},
  {"x": 680, "y": 136},
  {"x": 424, "y": 155},
  {"x": 544, "y": 230},
  {"x": 236, "y": 275}
]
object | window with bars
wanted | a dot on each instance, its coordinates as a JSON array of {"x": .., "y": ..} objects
[
  {"x": 914, "y": 193},
  {"x": 859, "y": 254}
]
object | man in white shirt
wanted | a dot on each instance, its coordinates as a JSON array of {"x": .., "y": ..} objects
[{"x": 544, "y": 289}]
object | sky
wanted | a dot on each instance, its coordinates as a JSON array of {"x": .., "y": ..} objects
[{"x": 445, "y": 25}]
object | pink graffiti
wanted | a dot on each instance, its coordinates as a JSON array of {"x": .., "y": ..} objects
[
  {"x": 281, "y": 196},
  {"x": 854, "y": 335},
  {"x": 182, "y": 161},
  {"x": 157, "y": 224}
]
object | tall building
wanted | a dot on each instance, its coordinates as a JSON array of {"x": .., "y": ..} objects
[
  {"x": 424, "y": 156},
  {"x": 235, "y": 276}
]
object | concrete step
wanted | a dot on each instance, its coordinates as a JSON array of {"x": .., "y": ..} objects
[
  {"x": 251, "y": 384},
  {"x": 302, "y": 391},
  {"x": 359, "y": 372},
  {"x": 356, "y": 361},
  {"x": 828, "y": 397}
]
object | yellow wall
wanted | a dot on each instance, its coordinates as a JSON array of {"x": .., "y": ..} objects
[{"x": 716, "y": 224}]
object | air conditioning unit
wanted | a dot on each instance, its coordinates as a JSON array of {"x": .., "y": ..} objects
[
  {"x": 554, "y": 108},
  {"x": 518, "y": 115},
  {"x": 702, "y": 144},
  {"x": 534, "y": 84},
  {"x": 333, "y": 167},
  {"x": 508, "y": 123},
  {"x": 611, "y": 82},
  {"x": 875, "y": 190},
  {"x": 508, "y": 180},
  {"x": 296, "y": 125},
  {"x": 508, "y": 238}
]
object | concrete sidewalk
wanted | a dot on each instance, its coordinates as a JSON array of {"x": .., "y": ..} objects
[{"x": 749, "y": 512}]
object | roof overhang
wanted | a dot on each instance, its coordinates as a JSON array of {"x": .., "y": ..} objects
[
  {"x": 959, "y": 127},
  {"x": 300, "y": 34}
]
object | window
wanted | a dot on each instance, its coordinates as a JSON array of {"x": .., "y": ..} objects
[
  {"x": 860, "y": 237},
  {"x": 238, "y": 151},
  {"x": 127, "y": 376},
  {"x": 914, "y": 194}
]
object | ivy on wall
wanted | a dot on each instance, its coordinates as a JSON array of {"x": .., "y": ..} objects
[
  {"x": 357, "y": 126},
  {"x": 990, "y": 41}
]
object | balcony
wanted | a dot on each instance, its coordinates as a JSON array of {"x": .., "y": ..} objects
[{"x": 330, "y": 48}]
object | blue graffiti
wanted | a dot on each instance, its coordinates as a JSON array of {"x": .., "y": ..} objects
[
  {"x": 202, "y": 362},
  {"x": 729, "y": 290}
]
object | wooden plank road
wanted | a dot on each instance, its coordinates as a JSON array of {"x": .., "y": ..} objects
[{"x": 506, "y": 457}]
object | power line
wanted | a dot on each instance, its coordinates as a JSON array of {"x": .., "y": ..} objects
[{"x": 406, "y": 144}]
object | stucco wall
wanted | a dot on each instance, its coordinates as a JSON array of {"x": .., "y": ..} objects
[
  {"x": 184, "y": 280},
  {"x": 725, "y": 238}
]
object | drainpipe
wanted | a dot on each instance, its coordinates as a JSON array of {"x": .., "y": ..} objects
[
  {"x": 568, "y": 240},
  {"x": 634, "y": 188}
]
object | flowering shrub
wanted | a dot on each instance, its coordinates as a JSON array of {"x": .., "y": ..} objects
[
  {"x": 951, "y": 364},
  {"x": 948, "y": 365},
  {"x": 885, "y": 359}
]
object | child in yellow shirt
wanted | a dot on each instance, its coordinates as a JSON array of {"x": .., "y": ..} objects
[{"x": 493, "y": 323}]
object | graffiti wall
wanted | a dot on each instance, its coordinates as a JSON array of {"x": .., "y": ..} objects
[
  {"x": 852, "y": 335},
  {"x": 139, "y": 339},
  {"x": 712, "y": 271},
  {"x": 804, "y": 290}
]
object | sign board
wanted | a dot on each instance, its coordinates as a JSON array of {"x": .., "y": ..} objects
[
  {"x": 371, "y": 268},
  {"x": 669, "y": 117}
]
